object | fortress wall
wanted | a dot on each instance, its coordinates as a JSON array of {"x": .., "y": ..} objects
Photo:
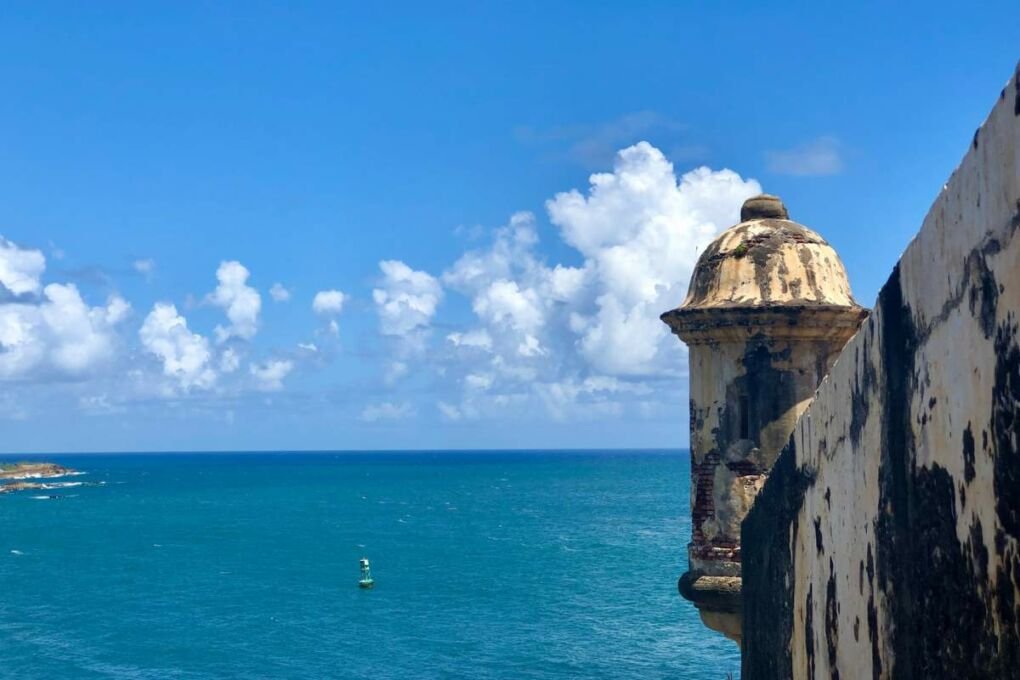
[{"x": 886, "y": 541}]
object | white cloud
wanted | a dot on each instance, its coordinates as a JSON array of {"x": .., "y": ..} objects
[
  {"x": 81, "y": 335},
  {"x": 640, "y": 232},
  {"x": 329, "y": 302},
  {"x": 479, "y": 338},
  {"x": 185, "y": 355},
  {"x": 478, "y": 381},
  {"x": 145, "y": 266},
  {"x": 50, "y": 332},
  {"x": 230, "y": 360},
  {"x": 591, "y": 397},
  {"x": 819, "y": 157},
  {"x": 279, "y": 293},
  {"x": 269, "y": 375},
  {"x": 587, "y": 332},
  {"x": 60, "y": 336},
  {"x": 387, "y": 411},
  {"x": 503, "y": 302},
  {"x": 241, "y": 302},
  {"x": 407, "y": 299},
  {"x": 20, "y": 268}
]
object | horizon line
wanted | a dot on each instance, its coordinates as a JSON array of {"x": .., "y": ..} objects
[{"x": 347, "y": 451}]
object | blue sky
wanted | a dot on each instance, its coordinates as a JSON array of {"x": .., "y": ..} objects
[{"x": 416, "y": 181}]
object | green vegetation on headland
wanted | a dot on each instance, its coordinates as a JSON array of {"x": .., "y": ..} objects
[{"x": 18, "y": 472}]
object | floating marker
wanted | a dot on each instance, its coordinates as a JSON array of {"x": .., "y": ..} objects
[{"x": 366, "y": 575}]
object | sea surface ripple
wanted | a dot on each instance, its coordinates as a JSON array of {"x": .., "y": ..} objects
[{"x": 539, "y": 564}]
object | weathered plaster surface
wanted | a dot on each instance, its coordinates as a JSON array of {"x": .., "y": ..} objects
[
  {"x": 886, "y": 541},
  {"x": 765, "y": 262},
  {"x": 768, "y": 310}
]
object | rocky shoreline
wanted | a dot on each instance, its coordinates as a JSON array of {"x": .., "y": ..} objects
[{"x": 16, "y": 475}]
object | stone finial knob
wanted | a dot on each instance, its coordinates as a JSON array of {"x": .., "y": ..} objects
[{"x": 763, "y": 207}]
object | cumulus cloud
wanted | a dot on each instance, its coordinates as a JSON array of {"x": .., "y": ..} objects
[
  {"x": 505, "y": 303},
  {"x": 406, "y": 300},
  {"x": 819, "y": 157},
  {"x": 640, "y": 232},
  {"x": 185, "y": 356},
  {"x": 60, "y": 336},
  {"x": 575, "y": 335},
  {"x": 20, "y": 269},
  {"x": 241, "y": 302},
  {"x": 387, "y": 411},
  {"x": 586, "y": 333},
  {"x": 279, "y": 293},
  {"x": 51, "y": 332},
  {"x": 519, "y": 301},
  {"x": 269, "y": 375},
  {"x": 329, "y": 302}
]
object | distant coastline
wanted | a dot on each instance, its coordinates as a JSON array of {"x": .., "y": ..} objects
[{"x": 14, "y": 476}]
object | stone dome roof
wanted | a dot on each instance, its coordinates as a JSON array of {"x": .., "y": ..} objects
[
  {"x": 766, "y": 263},
  {"x": 768, "y": 260}
]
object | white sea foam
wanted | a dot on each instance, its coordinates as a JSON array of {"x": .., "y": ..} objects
[{"x": 17, "y": 552}]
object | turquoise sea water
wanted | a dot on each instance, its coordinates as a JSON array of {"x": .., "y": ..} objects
[{"x": 488, "y": 565}]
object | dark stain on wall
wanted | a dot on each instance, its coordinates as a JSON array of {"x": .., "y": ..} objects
[
  {"x": 876, "y": 657},
  {"x": 892, "y": 527},
  {"x": 761, "y": 248},
  {"x": 944, "y": 617},
  {"x": 968, "y": 454},
  {"x": 936, "y": 587},
  {"x": 756, "y": 398},
  {"x": 953, "y": 633},
  {"x": 768, "y": 563},
  {"x": 831, "y": 622},
  {"x": 1005, "y": 437},
  {"x": 1005, "y": 427},
  {"x": 809, "y": 631},
  {"x": 1016, "y": 82},
  {"x": 984, "y": 290},
  {"x": 865, "y": 382}
]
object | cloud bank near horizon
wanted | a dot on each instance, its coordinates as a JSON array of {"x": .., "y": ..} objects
[{"x": 563, "y": 341}]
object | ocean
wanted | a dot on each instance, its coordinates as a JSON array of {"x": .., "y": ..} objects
[{"x": 541, "y": 564}]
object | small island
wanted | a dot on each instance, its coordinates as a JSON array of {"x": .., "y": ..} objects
[{"x": 14, "y": 475}]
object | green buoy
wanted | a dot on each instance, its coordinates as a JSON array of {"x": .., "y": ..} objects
[{"x": 366, "y": 575}]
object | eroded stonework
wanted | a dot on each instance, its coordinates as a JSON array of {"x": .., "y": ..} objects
[
  {"x": 886, "y": 541},
  {"x": 768, "y": 310}
]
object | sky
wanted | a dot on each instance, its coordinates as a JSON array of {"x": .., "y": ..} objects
[{"x": 294, "y": 226}]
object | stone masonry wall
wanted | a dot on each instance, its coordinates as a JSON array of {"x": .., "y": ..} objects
[{"x": 886, "y": 541}]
